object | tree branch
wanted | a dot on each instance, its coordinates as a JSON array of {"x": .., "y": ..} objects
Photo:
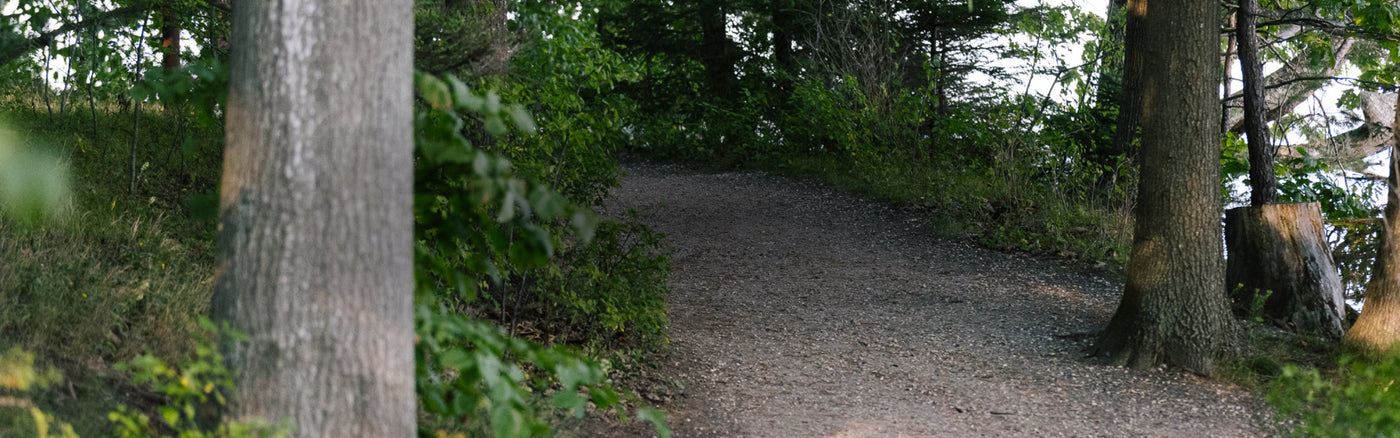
[{"x": 15, "y": 46}]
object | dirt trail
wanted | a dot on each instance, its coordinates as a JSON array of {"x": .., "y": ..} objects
[{"x": 797, "y": 311}]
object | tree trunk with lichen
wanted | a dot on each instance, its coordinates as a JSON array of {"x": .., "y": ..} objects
[{"x": 1172, "y": 312}]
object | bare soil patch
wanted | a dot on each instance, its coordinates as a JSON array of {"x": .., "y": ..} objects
[{"x": 800, "y": 311}]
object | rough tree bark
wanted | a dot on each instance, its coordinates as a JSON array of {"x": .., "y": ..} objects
[
  {"x": 315, "y": 231},
  {"x": 1281, "y": 248},
  {"x": 1276, "y": 249},
  {"x": 1378, "y": 327},
  {"x": 1264, "y": 187},
  {"x": 1172, "y": 310}
]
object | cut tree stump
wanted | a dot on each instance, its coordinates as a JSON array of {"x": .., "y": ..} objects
[{"x": 1281, "y": 248}]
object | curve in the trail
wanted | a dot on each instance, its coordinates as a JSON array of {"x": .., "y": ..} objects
[{"x": 798, "y": 311}]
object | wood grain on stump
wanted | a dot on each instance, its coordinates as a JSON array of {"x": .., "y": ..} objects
[{"x": 1281, "y": 248}]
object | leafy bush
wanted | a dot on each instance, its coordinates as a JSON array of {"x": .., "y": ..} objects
[
  {"x": 468, "y": 367},
  {"x": 615, "y": 283},
  {"x": 479, "y": 225},
  {"x": 18, "y": 375},
  {"x": 194, "y": 392},
  {"x": 1358, "y": 399}
]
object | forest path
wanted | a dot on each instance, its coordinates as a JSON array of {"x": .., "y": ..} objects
[{"x": 797, "y": 311}]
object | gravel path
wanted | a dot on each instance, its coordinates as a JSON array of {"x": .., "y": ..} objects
[{"x": 797, "y": 311}]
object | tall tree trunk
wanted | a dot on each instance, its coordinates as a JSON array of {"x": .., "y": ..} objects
[
  {"x": 170, "y": 37},
  {"x": 1378, "y": 328},
  {"x": 315, "y": 242},
  {"x": 1264, "y": 188},
  {"x": 1230, "y": 48},
  {"x": 1172, "y": 310},
  {"x": 782, "y": 33},
  {"x": 1111, "y": 62},
  {"x": 1131, "y": 89},
  {"x": 714, "y": 47}
]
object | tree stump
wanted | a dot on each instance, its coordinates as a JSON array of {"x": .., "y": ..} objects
[{"x": 1281, "y": 248}]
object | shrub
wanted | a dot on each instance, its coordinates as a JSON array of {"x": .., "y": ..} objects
[{"x": 1357, "y": 399}]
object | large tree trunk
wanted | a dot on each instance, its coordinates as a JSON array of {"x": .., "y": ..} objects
[
  {"x": 1172, "y": 310},
  {"x": 1264, "y": 188},
  {"x": 1281, "y": 249},
  {"x": 315, "y": 231},
  {"x": 1378, "y": 328}
]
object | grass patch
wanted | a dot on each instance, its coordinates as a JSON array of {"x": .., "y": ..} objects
[
  {"x": 121, "y": 272},
  {"x": 996, "y": 210}
]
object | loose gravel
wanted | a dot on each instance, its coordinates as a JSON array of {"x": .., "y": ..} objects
[{"x": 798, "y": 311}]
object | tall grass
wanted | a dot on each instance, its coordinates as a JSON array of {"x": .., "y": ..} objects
[{"x": 122, "y": 272}]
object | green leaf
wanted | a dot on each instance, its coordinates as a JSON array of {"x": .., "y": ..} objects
[
  {"x": 460, "y": 91},
  {"x": 169, "y": 415},
  {"x": 657, "y": 418},
  {"x": 522, "y": 119},
  {"x": 435, "y": 92},
  {"x": 493, "y": 103},
  {"x": 433, "y": 399},
  {"x": 570, "y": 400},
  {"x": 506, "y": 422},
  {"x": 495, "y": 126},
  {"x": 603, "y": 396},
  {"x": 456, "y": 358}
]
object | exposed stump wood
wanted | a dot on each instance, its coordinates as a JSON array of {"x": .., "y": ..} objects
[{"x": 1281, "y": 248}]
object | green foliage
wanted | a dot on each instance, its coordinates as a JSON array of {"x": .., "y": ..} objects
[
  {"x": 1357, "y": 399},
  {"x": 468, "y": 367},
  {"x": 481, "y": 225},
  {"x": 470, "y": 209},
  {"x": 33, "y": 184},
  {"x": 1256, "y": 304},
  {"x": 194, "y": 94},
  {"x": 570, "y": 83},
  {"x": 17, "y": 372},
  {"x": 194, "y": 392},
  {"x": 19, "y": 375},
  {"x": 615, "y": 283}
]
